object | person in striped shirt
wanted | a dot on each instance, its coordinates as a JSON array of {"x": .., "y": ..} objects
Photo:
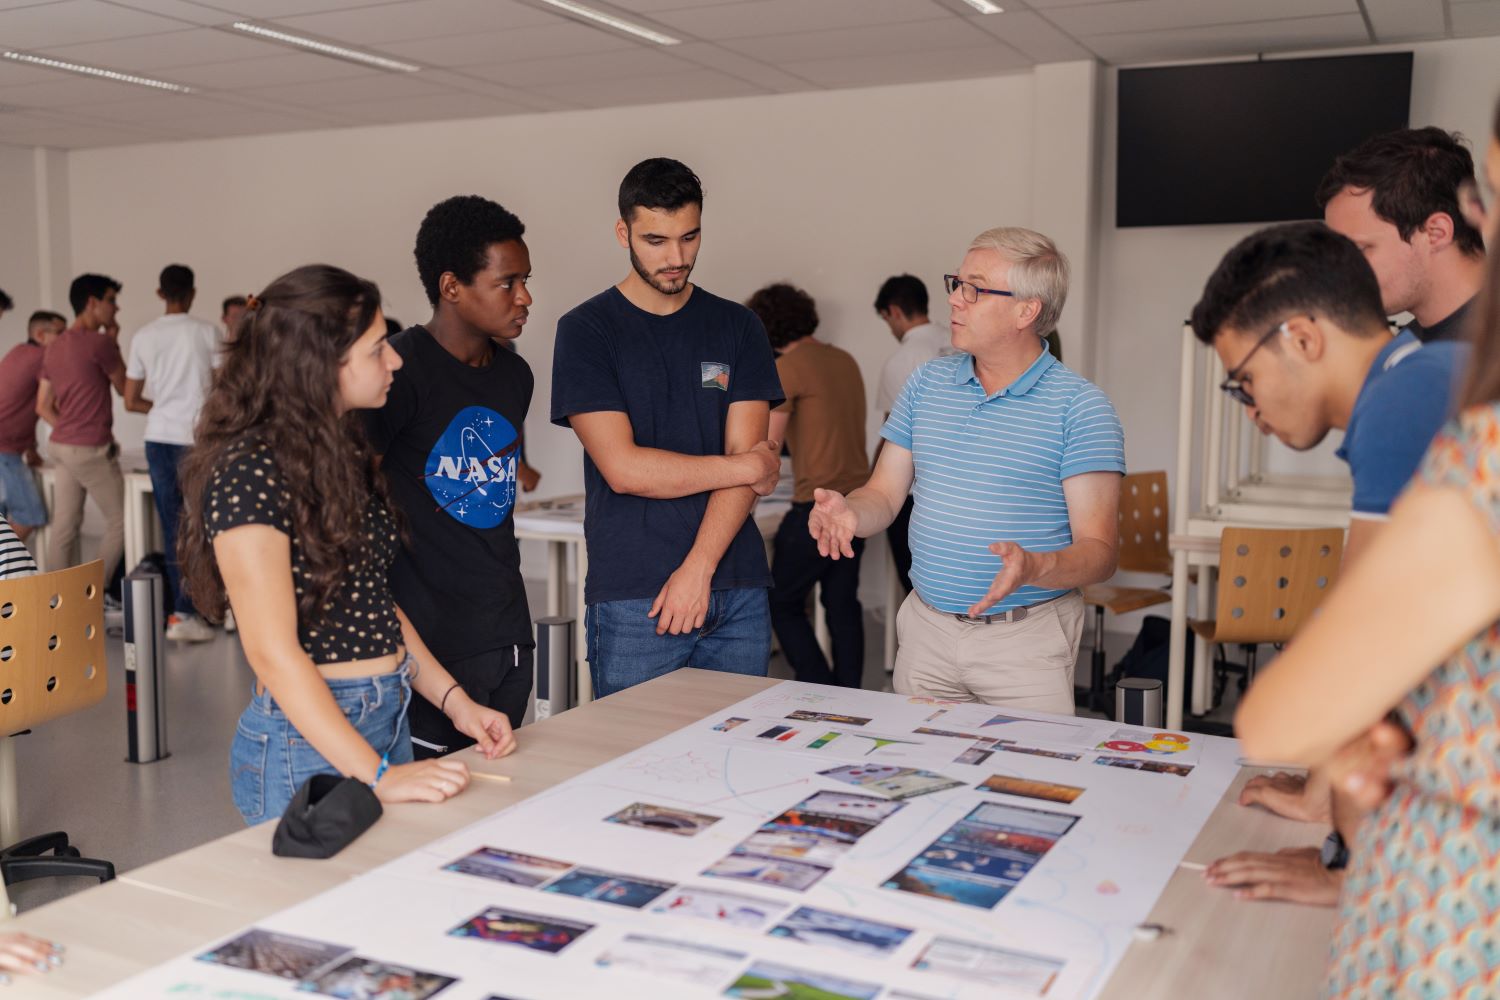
[{"x": 1015, "y": 463}]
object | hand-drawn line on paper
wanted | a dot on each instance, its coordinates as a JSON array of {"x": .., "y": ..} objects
[{"x": 680, "y": 767}]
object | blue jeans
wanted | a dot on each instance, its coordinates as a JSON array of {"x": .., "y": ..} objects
[
  {"x": 162, "y": 460},
  {"x": 624, "y": 649},
  {"x": 269, "y": 760},
  {"x": 20, "y": 500}
]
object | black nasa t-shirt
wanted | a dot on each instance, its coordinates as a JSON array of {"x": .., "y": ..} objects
[
  {"x": 449, "y": 435},
  {"x": 675, "y": 378}
]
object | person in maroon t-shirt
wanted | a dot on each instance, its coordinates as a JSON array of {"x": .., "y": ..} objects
[
  {"x": 20, "y": 371},
  {"x": 73, "y": 396}
]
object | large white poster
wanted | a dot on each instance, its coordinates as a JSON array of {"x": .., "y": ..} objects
[{"x": 808, "y": 843}]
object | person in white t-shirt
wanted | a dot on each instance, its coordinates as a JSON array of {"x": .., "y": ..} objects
[
  {"x": 171, "y": 364},
  {"x": 902, "y": 303}
]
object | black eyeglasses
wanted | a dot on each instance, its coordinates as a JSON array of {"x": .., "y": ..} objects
[
  {"x": 971, "y": 290},
  {"x": 1232, "y": 384}
]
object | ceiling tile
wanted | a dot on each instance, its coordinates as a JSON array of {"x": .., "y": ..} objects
[
  {"x": 950, "y": 64},
  {"x": 612, "y": 65},
  {"x": 146, "y": 53},
  {"x": 489, "y": 48},
  {"x": 1032, "y": 35},
  {"x": 67, "y": 90},
  {"x": 716, "y": 57},
  {"x": 1403, "y": 20},
  {"x": 650, "y": 6},
  {"x": 417, "y": 19},
  {"x": 75, "y": 21},
  {"x": 294, "y": 67},
  {"x": 181, "y": 10},
  {"x": 160, "y": 109},
  {"x": 1471, "y": 20},
  {"x": 784, "y": 16},
  {"x": 282, "y": 8},
  {"x": 694, "y": 85},
  {"x": 1137, "y": 16},
  {"x": 439, "y": 107},
  {"x": 1231, "y": 40},
  {"x": 875, "y": 40},
  {"x": 374, "y": 85}
]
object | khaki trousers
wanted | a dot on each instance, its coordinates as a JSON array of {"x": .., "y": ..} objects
[
  {"x": 1025, "y": 664},
  {"x": 86, "y": 471}
]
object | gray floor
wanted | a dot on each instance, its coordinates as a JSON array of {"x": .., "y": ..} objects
[{"x": 74, "y": 777}]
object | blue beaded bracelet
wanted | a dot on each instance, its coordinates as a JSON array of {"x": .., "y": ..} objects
[{"x": 385, "y": 763}]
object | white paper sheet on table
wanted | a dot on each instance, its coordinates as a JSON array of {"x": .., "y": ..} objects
[{"x": 1060, "y": 929}]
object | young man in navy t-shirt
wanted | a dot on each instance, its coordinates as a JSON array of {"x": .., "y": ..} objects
[
  {"x": 669, "y": 389},
  {"x": 449, "y": 439}
]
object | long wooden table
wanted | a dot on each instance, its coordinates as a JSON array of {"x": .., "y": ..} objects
[{"x": 1216, "y": 946}]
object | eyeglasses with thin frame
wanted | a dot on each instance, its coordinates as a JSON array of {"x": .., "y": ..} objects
[
  {"x": 1232, "y": 383},
  {"x": 971, "y": 290}
]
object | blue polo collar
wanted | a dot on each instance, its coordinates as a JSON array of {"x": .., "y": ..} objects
[{"x": 1021, "y": 386}]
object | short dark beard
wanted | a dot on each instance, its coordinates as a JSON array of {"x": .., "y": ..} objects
[{"x": 651, "y": 279}]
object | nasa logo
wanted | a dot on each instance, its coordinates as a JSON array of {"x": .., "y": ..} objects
[{"x": 471, "y": 470}]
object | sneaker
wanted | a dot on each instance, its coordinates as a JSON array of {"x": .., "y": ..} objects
[
  {"x": 188, "y": 628},
  {"x": 229, "y": 625}
]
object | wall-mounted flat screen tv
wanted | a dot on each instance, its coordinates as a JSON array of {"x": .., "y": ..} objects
[{"x": 1247, "y": 141}]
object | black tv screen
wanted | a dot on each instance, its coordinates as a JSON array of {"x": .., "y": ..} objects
[{"x": 1249, "y": 141}]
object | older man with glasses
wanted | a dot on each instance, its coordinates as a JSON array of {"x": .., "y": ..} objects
[{"x": 1015, "y": 464}]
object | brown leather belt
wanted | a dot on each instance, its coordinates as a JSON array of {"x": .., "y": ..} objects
[{"x": 999, "y": 617}]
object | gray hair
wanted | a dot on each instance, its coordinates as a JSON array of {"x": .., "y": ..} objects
[{"x": 1038, "y": 270}]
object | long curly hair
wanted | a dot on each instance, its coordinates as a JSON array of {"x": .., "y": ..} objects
[{"x": 279, "y": 385}]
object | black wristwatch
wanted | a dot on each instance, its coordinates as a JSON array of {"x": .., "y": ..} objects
[{"x": 1335, "y": 853}]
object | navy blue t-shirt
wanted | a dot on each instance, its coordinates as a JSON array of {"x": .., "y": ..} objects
[
  {"x": 675, "y": 378},
  {"x": 1406, "y": 399}
]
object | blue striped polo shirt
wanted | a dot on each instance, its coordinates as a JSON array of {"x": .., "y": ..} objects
[{"x": 990, "y": 469}]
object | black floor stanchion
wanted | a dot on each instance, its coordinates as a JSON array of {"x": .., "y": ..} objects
[
  {"x": 554, "y": 687},
  {"x": 145, "y": 678}
]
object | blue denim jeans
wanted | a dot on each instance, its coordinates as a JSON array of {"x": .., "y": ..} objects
[
  {"x": 162, "y": 460},
  {"x": 20, "y": 500},
  {"x": 624, "y": 649},
  {"x": 269, "y": 760}
]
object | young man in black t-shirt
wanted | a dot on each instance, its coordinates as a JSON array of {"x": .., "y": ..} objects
[
  {"x": 449, "y": 439},
  {"x": 669, "y": 388}
]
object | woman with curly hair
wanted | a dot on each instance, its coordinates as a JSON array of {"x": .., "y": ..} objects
[{"x": 285, "y": 520}]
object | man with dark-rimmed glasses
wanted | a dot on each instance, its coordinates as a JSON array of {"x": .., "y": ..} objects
[
  {"x": 1295, "y": 313},
  {"x": 1015, "y": 463}
]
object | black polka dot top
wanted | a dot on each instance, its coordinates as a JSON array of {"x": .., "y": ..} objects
[{"x": 359, "y": 622}]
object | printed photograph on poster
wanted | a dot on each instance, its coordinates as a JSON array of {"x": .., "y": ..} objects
[
  {"x": 368, "y": 979},
  {"x": 865, "y": 807},
  {"x": 1049, "y": 791},
  {"x": 774, "y": 981},
  {"x": 608, "y": 887},
  {"x": 1178, "y": 747},
  {"x": 526, "y": 930},
  {"x": 1015, "y": 970},
  {"x": 729, "y": 724},
  {"x": 779, "y": 734},
  {"x": 980, "y": 752},
  {"x": 955, "y": 734},
  {"x": 982, "y": 857},
  {"x": 808, "y": 837},
  {"x": 669, "y": 959},
  {"x": 780, "y": 873},
  {"x": 284, "y": 956},
  {"x": 728, "y": 908},
  {"x": 803, "y": 715},
  {"x": 1037, "y": 751},
  {"x": 663, "y": 819},
  {"x": 510, "y": 867},
  {"x": 841, "y": 931},
  {"x": 891, "y": 781},
  {"x": 1017, "y": 727},
  {"x": 1151, "y": 766}
]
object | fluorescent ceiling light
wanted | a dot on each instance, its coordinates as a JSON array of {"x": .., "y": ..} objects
[
  {"x": 985, "y": 6},
  {"x": 325, "y": 48},
  {"x": 611, "y": 21},
  {"x": 94, "y": 71}
]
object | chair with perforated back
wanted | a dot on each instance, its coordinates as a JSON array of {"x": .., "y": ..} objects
[
  {"x": 1271, "y": 580},
  {"x": 1143, "y": 549},
  {"x": 51, "y": 664}
]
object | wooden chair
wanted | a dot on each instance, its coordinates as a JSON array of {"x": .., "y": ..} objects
[
  {"x": 1143, "y": 549},
  {"x": 51, "y": 663},
  {"x": 1271, "y": 580}
]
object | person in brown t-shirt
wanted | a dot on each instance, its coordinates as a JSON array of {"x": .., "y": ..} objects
[
  {"x": 823, "y": 424},
  {"x": 78, "y": 371},
  {"x": 20, "y": 371}
]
